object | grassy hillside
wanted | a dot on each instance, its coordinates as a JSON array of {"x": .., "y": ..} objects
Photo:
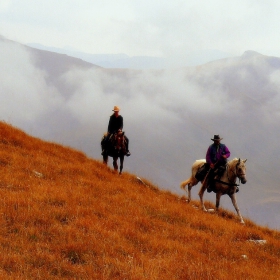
[{"x": 66, "y": 216}]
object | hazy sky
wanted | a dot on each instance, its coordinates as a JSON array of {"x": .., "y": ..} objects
[{"x": 145, "y": 27}]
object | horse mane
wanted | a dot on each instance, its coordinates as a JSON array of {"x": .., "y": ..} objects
[{"x": 232, "y": 161}]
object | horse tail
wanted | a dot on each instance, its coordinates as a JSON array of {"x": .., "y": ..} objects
[
  {"x": 190, "y": 182},
  {"x": 185, "y": 183}
]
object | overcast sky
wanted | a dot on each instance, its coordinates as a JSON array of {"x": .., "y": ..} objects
[{"x": 145, "y": 27}]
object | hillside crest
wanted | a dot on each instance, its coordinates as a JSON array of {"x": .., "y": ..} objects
[{"x": 65, "y": 215}]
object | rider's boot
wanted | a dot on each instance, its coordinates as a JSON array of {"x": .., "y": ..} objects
[
  {"x": 127, "y": 151},
  {"x": 104, "y": 151},
  {"x": 210, "y": 186},
  {"x": 126, "y": 146}
]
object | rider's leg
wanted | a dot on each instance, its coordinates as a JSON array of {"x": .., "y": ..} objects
[
  {"x": 127, "y": 146},
  {"x": 221, "y": 170},
  {"x": 210, "y": 185},
  {"x": 104, "y": 143}
]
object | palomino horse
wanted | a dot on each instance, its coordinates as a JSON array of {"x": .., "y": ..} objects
[
  {"x": 235, "y": 168},
  {"x": 115, "y": 148}
]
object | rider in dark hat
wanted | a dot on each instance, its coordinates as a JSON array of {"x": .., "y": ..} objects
[{"x": 216, "y": 158}]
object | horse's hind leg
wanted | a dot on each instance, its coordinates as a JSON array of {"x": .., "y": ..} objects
[
  {"x": 201, "y": 192},
  {"x": 105, "y": 159},
  {"x": 190, "y": 183},
  {"x": 189, "y": 192},
  {"x": 115, "y": 164},
  {"x": 121, "y": 163}
]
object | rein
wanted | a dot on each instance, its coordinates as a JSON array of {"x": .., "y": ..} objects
[
  {"x": 225, "y": 183},
  {"x": 235, "y": 173}
]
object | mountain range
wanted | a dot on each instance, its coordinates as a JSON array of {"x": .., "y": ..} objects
[
  {"x": 139, "y": 62},
  {"x": 170, "y": 115}
]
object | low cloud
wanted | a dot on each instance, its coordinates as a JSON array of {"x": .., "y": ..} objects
[
  {"x": 25, "y": 92},
  {"x": 169, "y": 115}
]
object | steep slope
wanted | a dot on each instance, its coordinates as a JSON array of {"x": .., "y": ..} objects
[
  {"x": 64, "y": 215},
  {"x": 170, "y": 116}
]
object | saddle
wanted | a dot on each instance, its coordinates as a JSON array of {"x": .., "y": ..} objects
[
  {"x": 201, "y": 172},
  {"x": 219, "y": 171},
  {"x": 215, "y": 175},
  {"x": 113, "y": 143}
]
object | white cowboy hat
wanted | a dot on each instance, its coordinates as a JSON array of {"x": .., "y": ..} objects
[{"x": 116, "y": 109}]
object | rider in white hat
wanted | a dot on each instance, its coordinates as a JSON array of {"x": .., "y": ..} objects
[{"x": 116, "y": 124}]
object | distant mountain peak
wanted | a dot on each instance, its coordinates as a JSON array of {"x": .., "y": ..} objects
[{"x": 250, "y": 53}]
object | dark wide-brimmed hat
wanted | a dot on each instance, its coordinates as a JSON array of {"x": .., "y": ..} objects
[{"x": 217, "y": 138}]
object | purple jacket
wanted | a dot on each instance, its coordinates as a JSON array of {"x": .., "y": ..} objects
[{"x": 215, "y": 152}]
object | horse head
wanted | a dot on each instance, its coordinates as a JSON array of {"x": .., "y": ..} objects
[
  {"x": 119, "y": 141},
  {"x": 240, "y": 170}
]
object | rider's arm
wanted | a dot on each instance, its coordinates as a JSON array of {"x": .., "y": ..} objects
[
  {"x": 208, "y": 157},
  {"x": 121, "y": 122},
  {"x": 226, "y": 152},
  {"x": 109, "y": 130}
]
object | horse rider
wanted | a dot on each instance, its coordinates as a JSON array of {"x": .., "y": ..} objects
[
  {"x": 115, "y": 125},
  {"x": 216, "y": 158}
]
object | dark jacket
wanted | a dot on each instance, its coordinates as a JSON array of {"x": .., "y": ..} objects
[{"x": 115, "y": 123}]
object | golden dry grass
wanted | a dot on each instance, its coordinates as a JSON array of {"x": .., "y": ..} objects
[{"x": 66, "y": 216}]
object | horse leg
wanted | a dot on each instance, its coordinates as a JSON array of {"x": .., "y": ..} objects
[
  {"x": 201, "y": 192},
  {"x": 190, "y": 183},
  {"x": 234, "y": 202},
  {"x": 189, "y": 192},
  {"x": 115, "y": 163},
  {"x": 121, "y": 163},
  {"x": 218, "y": 197},
  {"x": 105, "y": 159}
]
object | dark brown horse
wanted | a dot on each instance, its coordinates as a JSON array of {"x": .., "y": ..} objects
[{"x": 114, "y": 147}]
